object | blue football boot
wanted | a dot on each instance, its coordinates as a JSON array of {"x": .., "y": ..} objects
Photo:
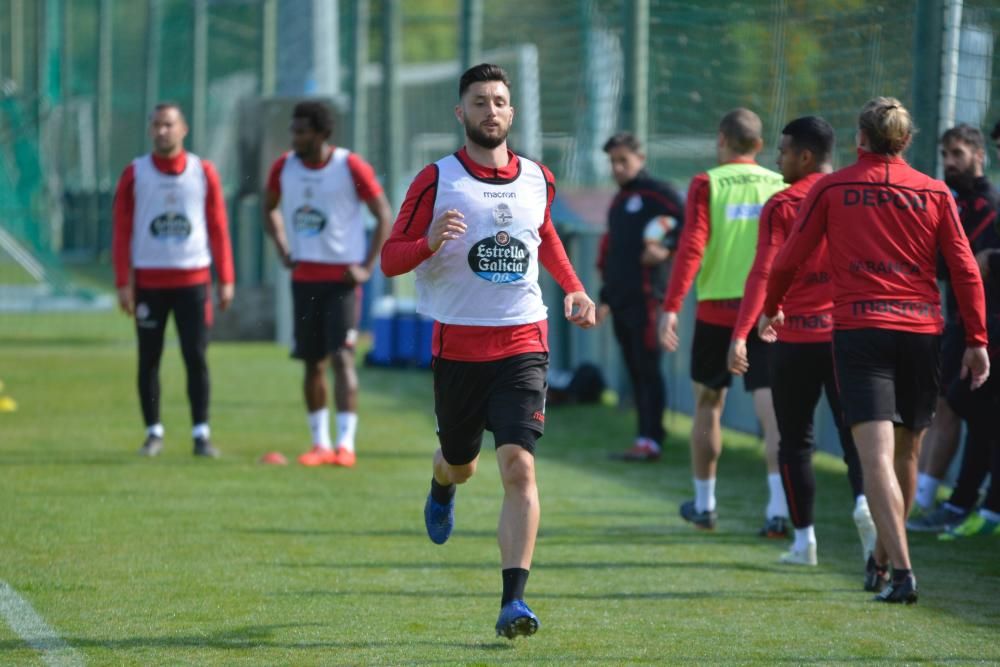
[
  {"x": 439, "y": 519},
  {"x": 516, "y": 619}
]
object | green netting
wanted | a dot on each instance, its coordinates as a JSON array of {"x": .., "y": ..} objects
[{"x": 783, "y": 58}]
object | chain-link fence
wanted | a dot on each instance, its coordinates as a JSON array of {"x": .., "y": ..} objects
[{"x": 78, "y": 77}]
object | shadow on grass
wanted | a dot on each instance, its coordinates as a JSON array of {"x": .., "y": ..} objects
[
  {"x": 416, "y": 532},
  {"x": 256, "y": 636},
  {"x": 646, "y": 513},
  {"x": 785, "y": 595},
  {"x": 665, "y": 565}
]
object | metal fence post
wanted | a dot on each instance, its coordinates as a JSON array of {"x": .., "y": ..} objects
[
  {"x": 635, "y": 101},
  {"x": 392, "y": 102},
  {"x": 928, "y": 38}
]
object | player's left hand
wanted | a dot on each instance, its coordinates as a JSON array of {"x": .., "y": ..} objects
[
  {"x": 738, "y": 362},
  {"x": 357, "y": 274},
  {"x": 580, "y": 310},
  {"x": 767, "y": 326},
  {"x": 226, "y": 293}
]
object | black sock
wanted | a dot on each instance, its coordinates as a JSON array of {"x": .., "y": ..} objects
[
  {"x": 514, "y": 579},
  {"x": 900, "y": 575},
  {"x": 440, "y": 493}
]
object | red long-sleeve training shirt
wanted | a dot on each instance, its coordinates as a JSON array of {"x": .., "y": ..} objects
[
  {"x": 215, "y": 217},
  {"x": 808, "y": 306},
  {"x": 407, "y": 247},
  {"x": 366, "y": 186},
  {"x": 690, "y": 250},
  {"x": 884, "y": 222}
]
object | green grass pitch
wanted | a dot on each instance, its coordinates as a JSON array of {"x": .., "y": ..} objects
[{"x": 228, "y": 562}]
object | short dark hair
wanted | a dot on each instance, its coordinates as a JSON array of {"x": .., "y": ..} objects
[
  {"x": 967, "y": 134},
  {"x": 482, "y": 72},
  {"x": 623, "y": 140},
  {"x": 813, "y": 134},
  {"x": 995, "y": 134},
  {"x": 317, "y": 113},
  {"x": 167, "y": 104},
  {"x": 742, "y": 129}
]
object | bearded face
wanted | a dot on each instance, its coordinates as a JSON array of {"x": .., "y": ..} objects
[{"x": 486, "y": 113}]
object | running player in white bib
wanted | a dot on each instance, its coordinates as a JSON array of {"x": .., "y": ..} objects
[
  {"x": 313, "y": 213},
  {"x": 169, "y": 227},
  {"x": 474, "y": 226}
]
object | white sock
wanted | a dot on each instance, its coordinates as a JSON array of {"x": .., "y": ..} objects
[
  {"x": 319, "y": 427},
  {"x": 804, "y": 537},
  {"x": 347, "y": 425},
  {"x": 200, "y": 431},
  {"x": 927, "y": 487},
  {"x": 776, "y": 505},
  {"x": 860, "y": 501},
  {"x": 704, "y": 495},
  {"x": 990, "y": 515},
  {"x": 156, "y": 430}
]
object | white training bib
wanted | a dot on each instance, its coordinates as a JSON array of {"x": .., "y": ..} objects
[
  {"x": 169, "y": 229},
  {"x": 489, "y": 276},
  {"x": 322, "y": 212}
]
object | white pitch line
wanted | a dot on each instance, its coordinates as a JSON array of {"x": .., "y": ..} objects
[{"x": 34, "y": 631}]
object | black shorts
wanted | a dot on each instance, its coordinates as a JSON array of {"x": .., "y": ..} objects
[
  {"x": 506, "y": 396},
  {"x": 710, "y": 352},
  {"x": 887, "y": 375},
  {"x": 326, "y": 318}
]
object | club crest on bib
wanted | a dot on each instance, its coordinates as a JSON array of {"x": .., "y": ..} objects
[
  {"x": 308, "y": 221},
  {"x": 500, "y": 258},
  {"x": 170, "y": 227},
  {"x": 502, "y": 215}
]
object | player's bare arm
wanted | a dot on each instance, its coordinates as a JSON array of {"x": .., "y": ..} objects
[
  {"x": 275, "y": 228},
  {"x": 382, "y": 212}
]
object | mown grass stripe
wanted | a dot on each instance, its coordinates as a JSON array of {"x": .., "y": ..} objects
[{"x": 34, "y": 631}]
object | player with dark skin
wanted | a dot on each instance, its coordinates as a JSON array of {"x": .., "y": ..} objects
[{"x": 311, "y": 146}]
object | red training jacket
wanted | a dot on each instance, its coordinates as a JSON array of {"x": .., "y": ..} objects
[
  {"x": 808, "y": 305},
  {"x": 884, "y": 222}
]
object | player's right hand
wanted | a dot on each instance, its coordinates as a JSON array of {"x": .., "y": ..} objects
[
  {"x": 738, "y": 362},
  {"x": 976, "y": 362},
  {"x": 126, "y": 299},
  {"x": 767, "y": 326},
  {"x": 603, "y": 310},
  {"x": 447, "y": 227},
  {"x": 669, "y": 338}
]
